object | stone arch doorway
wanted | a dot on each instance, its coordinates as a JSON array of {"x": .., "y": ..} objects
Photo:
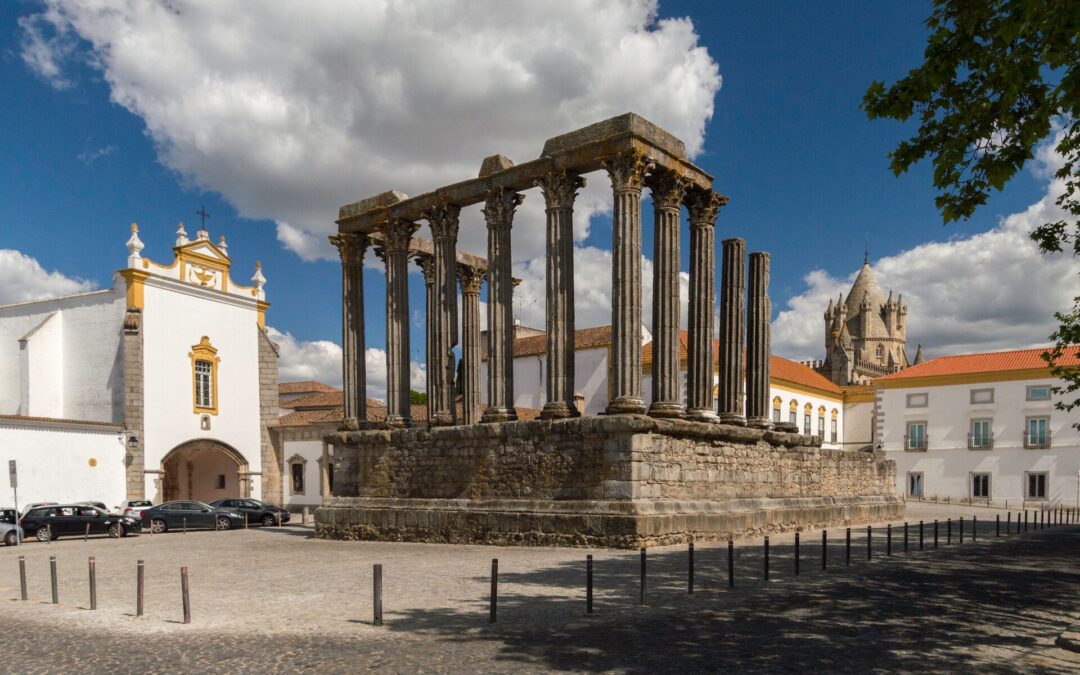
[{"x": 204, "y": 470}]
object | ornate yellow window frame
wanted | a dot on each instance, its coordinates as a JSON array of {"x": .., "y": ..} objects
[{"x": 204, "y": 351}]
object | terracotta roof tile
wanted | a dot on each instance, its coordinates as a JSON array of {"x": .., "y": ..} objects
[
  {"x": 586, "y": 338},
  {"x": 303, "y": 387},
  {"x": 1021, "y": 359}
]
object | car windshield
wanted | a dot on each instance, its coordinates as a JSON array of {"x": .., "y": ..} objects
[
  {"x": 255, "y": 503},
  {"x": 140, "y": 503},
  {"x": 200, "y": 505}
]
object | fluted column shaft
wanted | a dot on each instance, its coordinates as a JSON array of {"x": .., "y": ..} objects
[
  {"x": 471, "y": 279},
  {"x": 703, "y": 206},
  {"x": 667, "y": 193},
  {"x": 758, "y": 337},
  {"x": 627, "y": 173},
  {"x": 396, "y": 255},
  {"x": 444, "y": 230},
  {"x": 427, "y": 267},
  {"x": 733, "y": 332},
  {"x": 352, "y": 247},
  {"x": 499, "y": 214},
  {"x": 560, "y": 190}
]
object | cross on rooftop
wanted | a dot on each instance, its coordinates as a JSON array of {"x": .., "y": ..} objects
[{"x": 203, "y": 215}]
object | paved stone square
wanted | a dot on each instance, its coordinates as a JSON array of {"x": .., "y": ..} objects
[{"x": 278, "y": 600}]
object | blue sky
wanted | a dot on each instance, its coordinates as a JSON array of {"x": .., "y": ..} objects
[{"x": 806, "y": 171}]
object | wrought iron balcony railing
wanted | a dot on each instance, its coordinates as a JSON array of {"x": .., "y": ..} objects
[
  {"x": 980, "y": 441},
  {"x": 1037, "y": 440}
]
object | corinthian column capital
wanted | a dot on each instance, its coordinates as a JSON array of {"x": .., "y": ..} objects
[
  {"x": 668, "y": 189},
  {"x": 560, "y": 188},
  {"x": 627, "y": 171},
  {"x": 397, "y": 233},
  {"x": 351, "y": 247},
  {"x": 444, "y": 221},
  {"x": 703, "y": 206},
  {"x": 500, "y": 205},
  {"x": 470, "y": 278},
  {"x": 426, "y": 263}
]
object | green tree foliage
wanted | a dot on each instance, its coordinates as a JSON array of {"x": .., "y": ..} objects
[
  {"x": 998, "y": 78},
  {"x": 417, "y": 398}
]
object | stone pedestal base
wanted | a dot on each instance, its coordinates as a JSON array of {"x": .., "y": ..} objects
[{"x": 608, "y": 481}]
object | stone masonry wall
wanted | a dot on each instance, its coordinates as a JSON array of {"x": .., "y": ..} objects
[
  {"x": 135, "y": 462},
  {"x": 272, "y": 461}
]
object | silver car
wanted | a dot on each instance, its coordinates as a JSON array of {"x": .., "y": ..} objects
[{"x": 9, "y": 532}]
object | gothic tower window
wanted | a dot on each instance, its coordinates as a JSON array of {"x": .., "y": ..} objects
[{"x": 204, "y": 382}]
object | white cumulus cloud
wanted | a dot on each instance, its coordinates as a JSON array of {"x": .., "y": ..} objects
[
  {"x": 290, "y": 110},
  {"x": 23, "y": 279}
]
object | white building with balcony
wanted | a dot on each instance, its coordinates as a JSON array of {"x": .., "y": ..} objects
[{"x": 980, "y": 426}]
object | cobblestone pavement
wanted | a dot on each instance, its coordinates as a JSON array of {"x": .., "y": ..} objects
[{"x": 277, "y": 600}]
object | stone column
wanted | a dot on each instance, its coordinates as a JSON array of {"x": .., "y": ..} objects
[
  {"x": 667, "y": 194},
  {"x": 324, "y": 472},
  {"x": 758, "y": 313},
  {"x": 471, "y": 280},
  {"x": 703, "y": 206},
  {"x": 627, "y": 173},
  {"x": 560, "y": 190},
  {"x": 733, "y": 333},
  {"x": 396, "y": 236},
  {"x": 351, "y": 247},
  {"x": 444, "y": 230},
  {"x": 499, "y": 214},
  {"x": 427, "y": 267}
]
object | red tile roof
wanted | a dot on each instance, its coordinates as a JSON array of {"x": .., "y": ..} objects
[
  {"x": 586, "y": 338},
  {"x": 303, "y": 387},
  {"x": 1021, "y": 359}
]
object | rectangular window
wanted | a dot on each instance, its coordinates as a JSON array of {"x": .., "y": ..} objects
[
  {"x": 1038, "y": 392},
  {"x": 204, "y": 385},
  {"x": 918, "y": 400},
  {"x": 806, "y": 424},
  {"x": 916, "y": 436},
  {"x": 982, "y": 395},
  {"x": 821, "y": 425},
  {"x": 793, "y": 417},
  {"x": 776, "y": 414},
  {"x": 1037, "y": 434},
  {"x": 833, "y": 431},
  {"x": 297, "y": 478},
  {"x": 981, "y": 434},
  {"x": 980, "y": 485},
  {"x": 915, "y": 484},
  {"x": 221, "y": 481},
  {"x": 1036, "y": 485}
]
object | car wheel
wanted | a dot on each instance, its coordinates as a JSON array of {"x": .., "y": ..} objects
[
  {"x": 116, "y": 530},
  {"x": 10, "y": 538},
  {"x": 158, "y": 526},
  {"x": 269, "y": 521},
  {"x": 44, "y": 533},
  {"x": 223, "y": 523}
]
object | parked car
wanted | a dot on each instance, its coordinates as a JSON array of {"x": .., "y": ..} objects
[
  {"x": 256, "y": 511},
  {"x": 134, "y": 507},
  {"x": 189, "y": 514},
  {"x": 50, "y": 522},
  {"x": 29, "y": 507},
  {"x": 10, "y": 533},
  {"x": 8, "y": 515},
  {"x": 100, "y": 505}
]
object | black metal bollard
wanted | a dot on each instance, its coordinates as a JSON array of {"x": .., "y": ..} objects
[
  {"x": 376, "y": 619},
  {"x": 847, "y": 548},
  {"x": 588, "y": 584},
  {"x": 974, "y": 527},
  {"x": 935, "y": 532},
  {"x": 185, "y": 593},
  {"x": 888, "y": 539},
  {"x": 52, "y": 573},
  {"x": 997, "y": 525},
  {"x": 730, "y": 564},
  {"x": 494, "y": 600},
  {"x": 960, "y": 520},
  {"x": 690, "y": 570},
  {"x": 824, "y": 549},
  {"x": 1025, "y": 520},
  {"x": 93, "y": 583},
  {"x": 948, "y": 531},
  {"x": 905, "y": 536},
  {"x": 766, "y": 557},
  {"x": 921, "y": 546},
  {"x": 796, "y": 554},
  {"x": 140, "y": 587},
  {"x": 22, "y": 577},
  {"x": 641, "y": 595},
  {"x": 184, "y": 531},
  {"x": 869, "y": 541}
]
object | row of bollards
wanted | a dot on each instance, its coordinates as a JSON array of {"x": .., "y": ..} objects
[{"x": 140, "y": 586}]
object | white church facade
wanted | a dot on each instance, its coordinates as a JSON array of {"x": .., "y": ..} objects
[{"x": 160, "y": 387}]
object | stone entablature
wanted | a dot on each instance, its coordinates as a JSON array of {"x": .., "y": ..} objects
[{"x": 621, "y": 481}]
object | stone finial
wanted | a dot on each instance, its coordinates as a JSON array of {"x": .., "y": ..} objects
[
  {"x": 257, "y": 279},
  {"x": 181, "y": 234},
  {"x": 202, "y": 235},
  {"x": 222, "y": 245},
  {"x": 135, "y": 247},
  {"x": 494, "y": 164}
]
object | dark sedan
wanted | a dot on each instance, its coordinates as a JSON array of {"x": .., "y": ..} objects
[
  {"x": 254, "y": 510},
  {"x": 183, "y": 514},
  {"x": 50, "y": 522}
]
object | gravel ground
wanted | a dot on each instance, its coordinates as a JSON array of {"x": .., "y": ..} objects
[{"x": 278, "y": 600}]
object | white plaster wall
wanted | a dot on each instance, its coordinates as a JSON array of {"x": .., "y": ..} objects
[
  {"x": 590, "y": 380},
  {"x": 89, "y": 350},
  {"x": 312, "y": 452},
  {"x": 947, "y": 464},
  {"x": 43, "y": 358},
  {"x": 816, "y": 401},
  {"x": 54, "y": 464},
  {"x": 175, "y": 317},
  {"x": 858, "y": 424}
]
